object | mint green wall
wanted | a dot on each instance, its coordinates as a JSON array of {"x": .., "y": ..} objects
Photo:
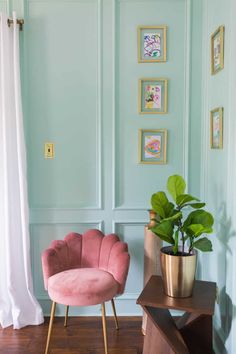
[
  {"x": 218, "y": 171},
  {"x": 80, "y": 75}
]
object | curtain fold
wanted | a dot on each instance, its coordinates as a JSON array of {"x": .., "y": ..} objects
[{"x": 18, "y": 306}]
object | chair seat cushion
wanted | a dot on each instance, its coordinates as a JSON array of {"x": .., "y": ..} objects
[{"x": 82, "y": 287}]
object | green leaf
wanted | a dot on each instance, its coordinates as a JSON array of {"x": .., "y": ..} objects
[
  {"x": 178, "y": 215},
  {"x": 161, "y": 205},
  {"x": 199, "y": 217},
  {"x": 176, "y": 186},
  {"x": 203, "y": 245},
  {"x": 176, "y": 246},
  {"x": 164, "y": 231},
  {"x": 184, "y": 198},
  {"x": 198, "y": 229},
  {"x": 196, "y": 205}
]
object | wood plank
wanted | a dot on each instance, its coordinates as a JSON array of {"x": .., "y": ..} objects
[{"x": 83, "y": 335}]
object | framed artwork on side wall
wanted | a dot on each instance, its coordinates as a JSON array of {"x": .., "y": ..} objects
[
  {"x": 216, "y": 128},
  {"x": 151, "y": 44},
  {"x": 152, "y": 96},
  {"x": 217, "y": 50},
  {"x": 152, "y": 146}
]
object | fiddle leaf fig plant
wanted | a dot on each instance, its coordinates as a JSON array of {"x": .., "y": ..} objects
[{"x": 174, "y": 226}]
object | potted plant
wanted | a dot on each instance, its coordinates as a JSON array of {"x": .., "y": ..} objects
[{"x": 183, "y": 225}]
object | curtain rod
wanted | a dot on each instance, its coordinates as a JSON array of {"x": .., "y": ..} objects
[{"x": 19, "y": 21}]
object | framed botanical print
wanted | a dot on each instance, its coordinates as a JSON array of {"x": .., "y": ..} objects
[
  {"x": 217, "y": 50},
  {"x": 216, "y": 128},
  {"x": 152, "y": 146},
  {"x": 151, "y": 44},
  {"x": 152, "y": 96}
]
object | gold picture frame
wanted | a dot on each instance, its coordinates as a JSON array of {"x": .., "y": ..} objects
[
  {"x": 217, "y": 50},
  {"x": 216, "y": 128},
  {"x": 152, "y": 44},
  {"x": 152, "y": 146},
  {"x": 153, "y": 96}
]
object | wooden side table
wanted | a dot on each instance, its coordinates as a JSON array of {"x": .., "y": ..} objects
[{"x": 188, "y": 334}]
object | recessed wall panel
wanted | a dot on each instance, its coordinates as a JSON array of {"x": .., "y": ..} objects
[
  {"x": 133, "y": 234},
  {"x": 134, "y": 182},
  {"x": 62, "y": 88}
]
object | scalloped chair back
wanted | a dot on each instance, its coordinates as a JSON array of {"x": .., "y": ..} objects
[{"x": 84, "y": 270}]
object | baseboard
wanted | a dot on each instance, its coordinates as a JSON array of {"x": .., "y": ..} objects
[{"x": 124, "y": 307}]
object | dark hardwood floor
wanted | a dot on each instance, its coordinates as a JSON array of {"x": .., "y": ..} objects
[{"x": 83, "y": 335}]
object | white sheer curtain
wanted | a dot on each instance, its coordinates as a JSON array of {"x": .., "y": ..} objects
[{"x": 18, "y": 306}]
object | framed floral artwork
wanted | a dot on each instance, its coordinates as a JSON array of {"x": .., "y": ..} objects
[
  {"x": 151, "y": 44},
  {"x": 217, "y": 50},
  {"x": 152, "y": 96},
  {"x": 152, "y": 146},
  {"x": 216, "y": 128}
]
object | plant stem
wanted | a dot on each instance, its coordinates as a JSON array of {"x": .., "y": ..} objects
[
  {"x": 182, "y": 235},
  {"x": 191, "y": 246}
]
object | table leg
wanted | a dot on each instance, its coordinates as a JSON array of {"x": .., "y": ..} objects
[
  {"x": 162, "y": 333},
  {"x": 196, "y": 329},
  {"x": 190, "y": 334}
]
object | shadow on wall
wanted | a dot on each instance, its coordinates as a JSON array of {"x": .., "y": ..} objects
[{"x": 224, "y": 234}]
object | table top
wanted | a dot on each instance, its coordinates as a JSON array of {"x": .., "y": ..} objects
[{"x": 202, "y": 301}]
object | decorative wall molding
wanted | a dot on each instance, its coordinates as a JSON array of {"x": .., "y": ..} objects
[
  {"x": 114, "y": 41},
  {"x": 99, "y": 104},
  {"x": 96, "y": 215},
  {"x": 65, "y": 1},
  {"x": 187, "y": 65},
  {"x": 97, "y": 224},
  {"x": 139, "y": 1},
  {"x": 99, "y": 108},
  {"x": 127, "y": 222},
  {"x": 205, "y": 103},
  {"x": 204, "y": 116},
  {"x": 54, "y": 215},
  {"x": 129, "y": 208}
]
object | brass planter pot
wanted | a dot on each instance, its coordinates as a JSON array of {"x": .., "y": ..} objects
[{"x": 178, "y": 273}]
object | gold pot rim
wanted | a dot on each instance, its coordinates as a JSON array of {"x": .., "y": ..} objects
[{"x": 166, "y": 248}]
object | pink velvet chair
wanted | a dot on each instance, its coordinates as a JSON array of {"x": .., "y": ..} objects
[{"x": 84, "y": 270}]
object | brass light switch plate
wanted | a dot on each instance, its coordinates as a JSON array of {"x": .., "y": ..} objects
[{"x": 49, "y": 150}]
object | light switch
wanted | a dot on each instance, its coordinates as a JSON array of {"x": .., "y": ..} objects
[{"x": 49, "y": 150}]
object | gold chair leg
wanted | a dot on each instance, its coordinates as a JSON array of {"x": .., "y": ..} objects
[
  {"x": 66, "y": 316},
  {"x": 104, "y": 327},
  {"x": 114, "y": 311},
  {"x": 53, "y": 308}
]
